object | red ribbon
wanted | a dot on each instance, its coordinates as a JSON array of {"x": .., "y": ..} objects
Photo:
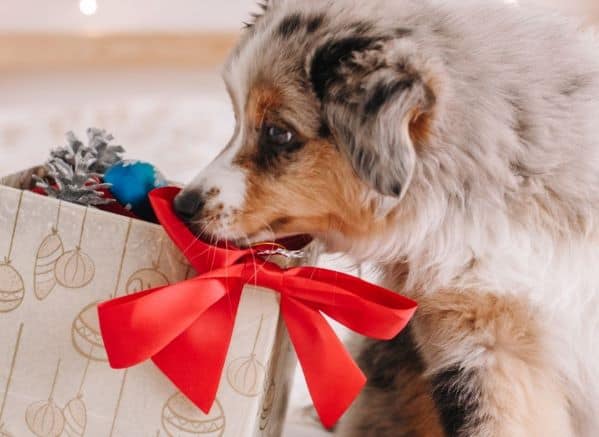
[{"x": 186, "y": 328}]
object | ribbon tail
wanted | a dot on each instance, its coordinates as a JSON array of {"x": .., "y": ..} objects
[
  {"x": 194, "y": 361},
  {"x": 333, "y": 378}
]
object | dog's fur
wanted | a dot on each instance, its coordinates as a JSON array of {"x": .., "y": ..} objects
[{"x": 456, "y": 144}]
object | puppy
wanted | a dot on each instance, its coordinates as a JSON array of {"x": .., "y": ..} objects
[{"x": 455, "y": 144}]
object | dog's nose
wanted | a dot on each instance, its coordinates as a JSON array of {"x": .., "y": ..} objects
[{"x": 188, "y": 204}]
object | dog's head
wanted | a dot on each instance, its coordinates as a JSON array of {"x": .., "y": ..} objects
[{"x": 330, "y": 112}]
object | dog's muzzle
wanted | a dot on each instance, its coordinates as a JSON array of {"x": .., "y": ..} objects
[{"x": 188, "y": 204}]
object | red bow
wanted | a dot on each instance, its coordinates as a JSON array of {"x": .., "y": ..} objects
[{"x": 186, "y": 328}]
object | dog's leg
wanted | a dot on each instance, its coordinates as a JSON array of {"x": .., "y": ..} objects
[
  {"x": 490, "y": 373},
  {"x": 397, "y": 400}
]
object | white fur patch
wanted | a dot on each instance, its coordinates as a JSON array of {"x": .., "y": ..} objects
[
  {"x": 229, "y": 182},
  {"x": 227, "y": 178}
]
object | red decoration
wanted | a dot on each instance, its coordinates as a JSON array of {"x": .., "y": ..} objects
[
  {"x": 113, "y": 207},
  {"x": 186, "y": 328}
]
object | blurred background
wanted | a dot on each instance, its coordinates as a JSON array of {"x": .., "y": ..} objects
[{"x": 147, "y": 71}]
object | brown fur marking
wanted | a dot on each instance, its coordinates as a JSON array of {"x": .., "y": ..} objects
[
  {"x": 499, "y": 339},
  {"x": 420, "y": 126},
  {"x": 286, "y": 201},
  {"x": 261, "y": 100},
  {"x": 397, "y": 399}
]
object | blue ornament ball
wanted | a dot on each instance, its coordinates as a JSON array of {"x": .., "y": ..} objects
[{"x": 131, "y": 182}]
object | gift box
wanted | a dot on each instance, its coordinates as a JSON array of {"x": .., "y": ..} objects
[{"x": 57, "y": 262}]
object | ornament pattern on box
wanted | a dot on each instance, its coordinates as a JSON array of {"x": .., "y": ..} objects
[
  {"x": 75, "y": 411},
  {"x": 12, "y": 286},
  {"x": 87, "y": 341},
  {"x": 85, "y": 334},
  {"x": 4, "y": 431},
  {"x": 53, "y": 266},
  {"x": 44, "y": 418},
  {"x": 180, "y": 418},
  {"x": 117, "y": 408},
  {"x": 49, "y": 251},
  {"x": 75, "y": 269},
  {"x": 122, "y": 260},
  {"x": 64, "y": 383},
  {"x": 85, "y": 330},
  {"x": 148, "y": 278},
  {"x": 245, "y": 373}
]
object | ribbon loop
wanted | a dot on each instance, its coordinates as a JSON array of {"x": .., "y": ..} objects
[
  {"x": 146, "y": 313},
  {"x": 186, "y": 328}
]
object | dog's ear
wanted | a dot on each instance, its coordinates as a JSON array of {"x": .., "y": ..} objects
[{"x": 372, "y": 98}]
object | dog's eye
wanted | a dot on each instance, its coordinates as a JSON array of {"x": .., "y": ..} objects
[
  {"x": 276, "y": 142},
  {"x": 278, "y": 136}
]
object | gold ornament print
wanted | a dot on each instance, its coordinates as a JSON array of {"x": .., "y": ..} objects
[
  {"x": 75, "y": 411},
  {"x": 44, "y": 418},
  {"x": 122, "y": 261},
  {"x": 180, "y": 418},
  {"x": 85, "y": 334},
  {"x": 118, "y": 404},
  {"x": 49, "y": 251},
  {"x": 4, "y": 432},
  {"x": 75, "y": 415},
  {"x": 85, "y": 330},
  {"x": 245, "y": 374},
  {"x": 148, "y": 278},
  {"x": 75, "y": 269},
  {"x": 12, "y": 286}
]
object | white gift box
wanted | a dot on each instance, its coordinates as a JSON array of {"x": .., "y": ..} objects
[{"x": 57, "y": 261}]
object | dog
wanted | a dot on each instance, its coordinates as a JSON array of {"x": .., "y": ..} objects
[{"x": 456, "y": 145}]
